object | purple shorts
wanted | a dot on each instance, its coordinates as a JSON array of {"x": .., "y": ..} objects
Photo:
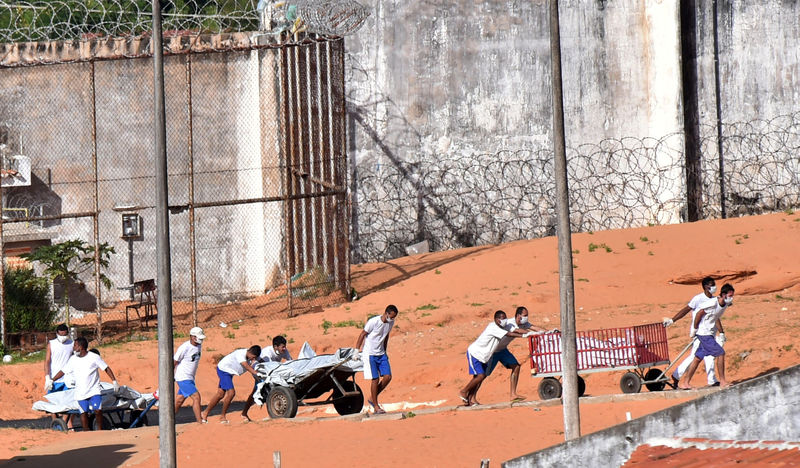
[{"x": 708, "y": 347}]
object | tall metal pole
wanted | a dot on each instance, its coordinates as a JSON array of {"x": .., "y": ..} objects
[
  {"x": 96, "y": 209},
  {"x": 166, "y": 415},
  {"x": 566, "y": 286},
  {"x": 717, "y": 91}
]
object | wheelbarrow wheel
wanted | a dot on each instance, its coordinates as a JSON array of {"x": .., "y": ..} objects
[
  {"x": 282, "y": 402},
  {"x": 58, "y": 424},
  {"x": 108, "y": 424},
  {"x": 653, "y": 385},
  {"x": 549, "y": 388},
  {"x": 630, "y": 383},
  {"x": 350, "y": 404}
]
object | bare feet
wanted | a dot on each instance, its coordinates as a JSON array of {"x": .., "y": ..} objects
[
  {"x": 246, "y": 418},
  {"x": 724, "y": 384},
  {"x": 684, "y": 387},
  {"x": 463, "y": 398},
  {"x": 474, "y": 402}
]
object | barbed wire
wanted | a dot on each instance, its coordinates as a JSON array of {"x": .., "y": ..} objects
[{"x": 457, "y": 201}]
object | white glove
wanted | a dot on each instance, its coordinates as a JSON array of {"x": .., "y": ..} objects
[
  {"x": 667, "y": 322},
  {"x": 356, "y": 355},
  {"x": 116, "y": 386},
  {"x": 48, "y": 383},
  {"x": 692, "y": 334},
  {"x": 721, "y": 339}
]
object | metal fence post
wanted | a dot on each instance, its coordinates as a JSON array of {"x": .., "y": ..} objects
[
  {"x": 96, "y": 209},
  {"x": 190, "y": 149}
]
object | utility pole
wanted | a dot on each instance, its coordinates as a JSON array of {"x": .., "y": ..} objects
[
  {"x": 166, "y": 379},
  {"x": 566, "y": 285}
]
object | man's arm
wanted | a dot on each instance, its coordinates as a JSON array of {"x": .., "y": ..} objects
[
  {"x": 719, "y": 326},
  {"x": 360, "y": 340},
  {"x": 386, "y": 342},
  {"x": 47, "y": 359},
  {"x": 517, "y": 333},
  {"x": 681, "y": 313},
  {"x": 249, "y": 368},
  {"x": 110, "y": 374},
  {"x": 697, "y": 319},
  {"x": 58, "y": 375}
]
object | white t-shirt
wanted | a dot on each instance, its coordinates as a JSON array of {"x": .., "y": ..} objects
[
  {"x": 188, "y": 358},
  {"x": 377, "y": 331},
  {"x": 506, "y": 340},
  {"x": 483, "y": 348},
  {"x": 59, "y": 356},
  {"x": 268, "y": 354},
  {"x": 87, "y": 376},
  {"x": 232, "y": 363},
  {"x": 708, "y": 324},
  {"x": 694, "y": 304}
]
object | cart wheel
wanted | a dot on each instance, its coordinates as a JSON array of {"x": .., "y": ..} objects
[
  {"x": 58, "y": 424},
  {"x": 142, "y": 422},
  {"x": 282, "y": 402},
  {"x": 630, "y": 383},
  {"x": 653, "y": 385},
  {"x": 348, "y": 405},
  {"x": 549, "y": 388},
  {"x": 108, "y": 424},
  {"x": 581, "y": 386}
]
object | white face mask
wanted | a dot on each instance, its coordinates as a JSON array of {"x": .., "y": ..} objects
[
  {"x": 503, "y": 322},
  {"x": 728, "y": 300},
  {"x": 523, "y": 319},
  {"x": 389, "y": 319},
  {"x": 62, "y": 338},
  {"x": 198, "y": 340},
  {"x": 712, "y": 289}
]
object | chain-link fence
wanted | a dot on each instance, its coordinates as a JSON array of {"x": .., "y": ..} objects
[
  {"x": 257, "y": 179},
  {"x": 454, "y": 201}
]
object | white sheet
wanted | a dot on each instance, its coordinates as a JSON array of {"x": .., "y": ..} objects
[{"x": 126, "y": 398}]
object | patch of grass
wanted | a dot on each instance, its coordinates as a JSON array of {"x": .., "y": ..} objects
[
  {"x": 515, "y": 294},
  {"x": 650, "y": 224},
  {"x": 737, "y": 241},
  {"x": 643, "y": 239},
  {"x": 738, "y": 359},
  {"x": 209, "y": 350},
  {"x": 229, "y": 334},
  {"x": 583, "y": 279},
  {"x": 783, "y": 298},
  {"x": 408, "y": 415},
  {"x": 788, "y": 347},
  {"x": 236, "y": 326},
  {"x": 326, "y": 324},
  {"x": 608, "y": 249},
  {"x": 650, "y": 252},
  {"x": 427, "y": 437},
  {"x": 437, "y": 272},
  {"x": 291, "y": 340},
  {"x": 746, "y": 236},
  {"x": 349, "y": 323},
  {"x": 427, "y": 307},
  {"x": 476, "y": 304},
  {"x": 590, "y": 232},
  {"x": 576, "y": 252},
  {"x": 630, "y": 245},
  {"x": 528, "y": 283},
  {"x": 23, "y": 448},
  {"x": 574, "y": 267},
  {"x": 440, "y": 324},
  {"x": 592, "y": 247},
  {"x": 425, "y": 314},
  {"x": 788, "y": 211},
  {"x": 176, "y": 335}
]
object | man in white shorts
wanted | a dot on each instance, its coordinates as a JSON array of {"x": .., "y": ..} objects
[
  {"x": 480, "y": 352},
  {"x": 375, "y": 339},
  {"x": 709, "y": 287},
  {"x": 275, "y": 353},
  {"x": 85, "y": 366},
  {"x": 503, "y": 355},
  {"x": 707, "y": 323},
  {"x": 187, "y": 358}
]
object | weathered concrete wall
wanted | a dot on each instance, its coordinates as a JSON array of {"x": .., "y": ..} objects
[{"x": 764, "y": 408}]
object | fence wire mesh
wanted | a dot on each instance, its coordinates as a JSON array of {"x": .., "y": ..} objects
[{"x": 256, "y": 168}]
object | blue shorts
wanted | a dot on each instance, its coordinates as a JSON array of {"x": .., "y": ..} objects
[
  {"x": 225, "y": 380},
  {"x": 58, "y": 387},
  {"x": 378, "y": 366},
  {"x": 708, "y": 347},
  {"x": 93, "y": 403},
  {"x": 187, "y": 388},
  {"x": 476, "y": 367},
  {"x": 503, "y": 356}
]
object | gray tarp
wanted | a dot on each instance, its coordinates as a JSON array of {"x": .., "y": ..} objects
[{"x": 64, "y": 401}]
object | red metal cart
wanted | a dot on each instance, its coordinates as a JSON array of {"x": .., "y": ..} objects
[{"x": 638, "y": 349}]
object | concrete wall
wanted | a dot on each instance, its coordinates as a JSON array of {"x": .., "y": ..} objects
[
  {"x": 764, "y": 408},
  {"x": 435, "y": 81}
]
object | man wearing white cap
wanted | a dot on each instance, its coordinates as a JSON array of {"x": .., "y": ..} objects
[{"x": 187, "y": 357}]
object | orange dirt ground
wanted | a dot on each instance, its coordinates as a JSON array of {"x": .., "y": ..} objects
[{"x": 445, "y": 301}]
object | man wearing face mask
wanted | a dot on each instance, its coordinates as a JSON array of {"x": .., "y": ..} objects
[
  {"x": 503, "y": 355},
  {"x": 709, "y": 288},
  {"x": 236, "y": 363},
  {"x": 480, "y": 352},
  {"x": 86, "y": 367},
  {"x": 375, "y": 339},
  {"x": 59, "y": 350},
  {"x": 186, "y": 360},
  {"x": 706, "y": 324},
  {"x": 275, "y": 353}
]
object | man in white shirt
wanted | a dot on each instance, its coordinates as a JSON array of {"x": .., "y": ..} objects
[
  {"x": 375, "y": 339},
  {"x": 503, "y": 355},
  {"x": 706, "y": 324},
  {"x": 235, "y": 363},
  {"x": 59, "y": 350},
  {"x": 85, "y": 366},
  {"x": 709, "y": 287},
  {"x": 186, "y": 360},
  {"x": 480, "y": 352},
  {"x": 275, "y": 353}
]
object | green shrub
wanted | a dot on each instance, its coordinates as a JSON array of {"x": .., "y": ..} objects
[{"x": 28, "y": 305}]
